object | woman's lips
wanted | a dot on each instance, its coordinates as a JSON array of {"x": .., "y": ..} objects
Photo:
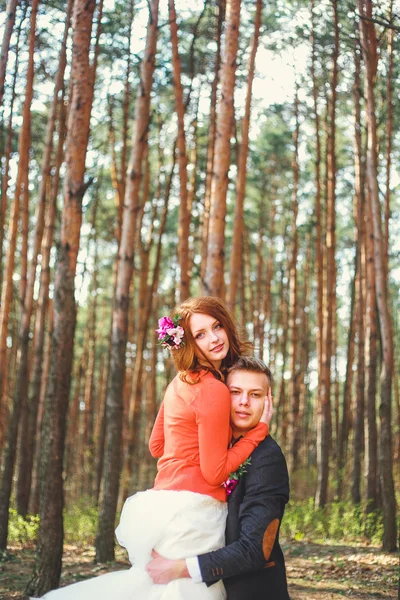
[
  {"x": 242, "y": 415},
  {"x": 218, "y": 348}
]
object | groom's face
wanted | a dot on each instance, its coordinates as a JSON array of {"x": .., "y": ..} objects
[{"x": 248, "y": 391}]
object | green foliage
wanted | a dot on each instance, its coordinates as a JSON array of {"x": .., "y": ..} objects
[
  {"x": 80, "y": 523},
  {"x": 22, "y": 530},
  {"x": 340, "y": 521}
]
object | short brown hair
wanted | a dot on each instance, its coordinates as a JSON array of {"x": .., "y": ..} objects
[
  {"x": 189, "y": 359},
  {"x": 250, "y": 363}
]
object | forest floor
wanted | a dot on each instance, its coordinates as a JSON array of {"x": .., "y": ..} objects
[{"x": 315, "y": 571}]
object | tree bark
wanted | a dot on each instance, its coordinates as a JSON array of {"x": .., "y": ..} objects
[
  {"x": 21, "y": 389},
  {"x": 389, "y": 136},
  {"x": 5, "y": 45},
  {"x": 214, "y": 279},
  {"x": 293, "y": 304},
  {"x": 114, "y": 404},
  {"x": 211, "y": 145},
  {"x": 50, "y": 538},
  {"x": 184, "y": 215},
  {"x": 24, "y": 145},
  {"x": 324, "y": 427},
  {"x": 319, "y": 262},
  {"x": 236, "y": 248},
  {"x": 370, "y": 56}
]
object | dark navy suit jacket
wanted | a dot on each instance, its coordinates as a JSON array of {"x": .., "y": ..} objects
[{"x": 252, "y": 564}]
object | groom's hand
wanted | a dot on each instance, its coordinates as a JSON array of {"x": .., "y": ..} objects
[{"x": 164, "y": 570}]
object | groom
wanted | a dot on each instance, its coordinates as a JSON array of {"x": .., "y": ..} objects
[{"x": 251, "y": 564}]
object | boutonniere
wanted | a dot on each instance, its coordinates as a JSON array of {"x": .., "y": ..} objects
[{"x": 234, "y": 477}]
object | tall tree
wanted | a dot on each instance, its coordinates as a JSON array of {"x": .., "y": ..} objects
[
  {"x": 294, "y": 302},
  {"x": 369, "y": 45},
  {"x": 21, "y": 387},
  {"x": 324, "y": 427},
  {"x": 184, "y": 215},
  {"x": 50, "y": 538},
  {"x": 114, "y": 404},
  {"x": 211, "y": 141},
  {"x": 7, "y": 288},
  {"x": 214, "y": 278},
  {"x": 5, "y": 45},
  {"x": 236, "y": 250}
]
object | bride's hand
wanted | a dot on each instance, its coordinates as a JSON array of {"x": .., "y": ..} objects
[
  {"x": 162, "y": 570},
  {"x": 268, "y": 408}
]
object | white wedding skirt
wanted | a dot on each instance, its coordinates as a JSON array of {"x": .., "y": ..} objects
[{"x": 177, "y": 524}]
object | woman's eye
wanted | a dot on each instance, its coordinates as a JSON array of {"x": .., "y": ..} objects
[
  {"x": 218, "y": 326},
  {"x": 199, "y": 336}
]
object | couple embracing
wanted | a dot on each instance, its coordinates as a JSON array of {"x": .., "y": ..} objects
[{"x": 184, "y": 540}]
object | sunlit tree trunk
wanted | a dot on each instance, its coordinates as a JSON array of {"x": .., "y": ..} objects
[
  {"x": 211, "y": 144},
  {"x": 7, "y": 291},
  {"x": 214, "y": 279},
  {"x": 21, "y": 389},
  {"x": 5, "y": 45},
  {"x": 294, "y": 390},
  {"x": 236, "y": 249},
  {"x": 319, "y": 263},
  {"x": 50, "y": 538},
  {"x": 30, "y": 436},
  {"x": 369, "y": 47},
  {"x": 36, "y": 425},
  {"x": 114, "y": 404},
  {"x": 324, "y": 427},
  {"x": 389, "y": 135},
  {"x": 359, "y": 201},
  {"x": 6, "y": 172},
  {"x": 267, "y": 304},
  {"x": 184, "y": 215}
]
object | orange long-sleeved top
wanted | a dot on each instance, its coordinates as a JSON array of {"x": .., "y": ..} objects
[{"x": 191, "y": 434}]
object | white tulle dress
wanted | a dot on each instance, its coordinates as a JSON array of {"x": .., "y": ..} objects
[{"x": 176, "y": 524}]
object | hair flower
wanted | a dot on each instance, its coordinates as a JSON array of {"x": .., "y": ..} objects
[
  {"x": 170, "y": 333},
  {"x": 233, "y": 478}
]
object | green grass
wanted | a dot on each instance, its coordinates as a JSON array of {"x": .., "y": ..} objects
[{"x": 338, "y": 521}]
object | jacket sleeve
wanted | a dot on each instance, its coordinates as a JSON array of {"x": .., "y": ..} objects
[
  {"x": 213, "y": 415},
  {"x": 261, "y": 511},
  {"x": 157, "y": 440}
]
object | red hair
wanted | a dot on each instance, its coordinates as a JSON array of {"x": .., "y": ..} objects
[{"x": 189, "y": 359}]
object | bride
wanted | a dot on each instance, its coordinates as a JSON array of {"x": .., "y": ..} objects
[{"x": 184, "y": 513}]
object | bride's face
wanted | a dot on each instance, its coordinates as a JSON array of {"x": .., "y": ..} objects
[{"x": 210, "y": 337}]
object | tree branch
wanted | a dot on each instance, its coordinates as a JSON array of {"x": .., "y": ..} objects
[{"x": 378, "y": 22}]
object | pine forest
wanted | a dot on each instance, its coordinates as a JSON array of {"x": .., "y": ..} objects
[{"x": 153, "y": 151}]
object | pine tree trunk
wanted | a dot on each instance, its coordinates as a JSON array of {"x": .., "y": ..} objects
[
  {"x": 5, "y": 45},
  {"x": 37, "y": 425},
  {"x": 28, "y": 437},
  {"x": 211, "y": 145},
  {"x": 324, "y": 427},
  {"x": 294, "y": 392},
  {"x": 371, "y": 362},
  {"x": 50, "y": 538},
  {"x": 6, "y": 170},
  {"x": 114, "y": 404},
  {"x": 370, "y": 55},
  {"x": 319, "y": 263},
  {"x": 24, "y": 145},
  {"x": 389, "y": 135},
  {"x": 236, "y": 249},
  {"x": 184, "y": 215},
  {"x": 214, "y": 279},
  {"x": 21, "y": 390},
  {"x": 267, "y": 304}
]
